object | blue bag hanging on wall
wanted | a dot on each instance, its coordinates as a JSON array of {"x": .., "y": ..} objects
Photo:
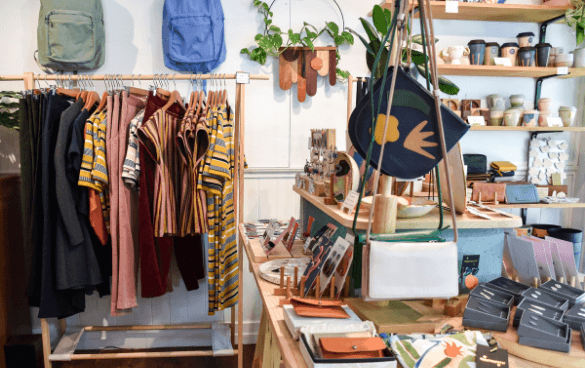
[{"x": 193, "y": 35}]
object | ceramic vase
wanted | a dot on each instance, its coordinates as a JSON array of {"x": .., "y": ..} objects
[
  {"x": 492, "y": 50},
  {"x": 476, "y": 51},
  {"x": 579, "y": 58},
  {"x": 530, "y": 118},
  {"x": 542, "y": 122},
  {"x": 512, "y": 117},
  {"x": 544, "y": 104},
  {"x": 510, "y": 50},
  {"x": 567, "y": 114},
  {"x": 496, "y": 102},
  {"x": 517, "y": 101},
  {"x": 453, "y": 54},
  {"x": 526, "y": 56},
  {"x": 542, "y": 54},
  {"x": 496, "y": 117},
  {"x": 525, "y": 39}
]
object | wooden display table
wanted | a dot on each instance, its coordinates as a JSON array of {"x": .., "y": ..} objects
[{"x": 275, "y": 346}]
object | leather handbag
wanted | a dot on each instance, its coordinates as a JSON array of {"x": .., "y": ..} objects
[
  {"x": 319, "y": 308},
  {"x": 395, "y": 266},
  {"x": 488, "y": 192},
  {"x": 352, "y": 347}
]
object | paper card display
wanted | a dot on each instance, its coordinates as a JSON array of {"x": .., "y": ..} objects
[
  {"x": 502, "y": 61},
  {"x": 269, "y": 233},
  {"x": 557, "y": 263},
  {"x": 545, "y": 269},
  {"x": 326, "y": 231},
  {"x": 476, "y": 120},
  {"x": 523, "y": 258},
  {"x": 350, "y": 201},
  {"x": 507, "y": 261},
  {"x": 343, "y": 270},
  {"x": 320, "y": 253},
  {"x": 291, "y": 237},
  {"x": 333, "y": 259},
  {"x": 567, "y": 258},
  {"x": 310, "y": 241}
]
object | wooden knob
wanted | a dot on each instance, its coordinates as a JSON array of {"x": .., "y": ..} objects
[{"x": 317, "y": 63}]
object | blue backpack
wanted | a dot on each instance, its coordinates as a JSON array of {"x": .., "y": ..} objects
[{"x": 193, "y": 36}]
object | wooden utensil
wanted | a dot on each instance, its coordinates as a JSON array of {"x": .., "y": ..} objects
[
  {"x": 332, "y": 67},
  {"x": 301, "y": 81},
  {"x": 284, "y": 73},
  {"x": 311, "y": 74},
  {"x": 323, "y": 55}
]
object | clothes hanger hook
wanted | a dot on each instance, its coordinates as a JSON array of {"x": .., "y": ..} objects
[
  {"x": 47, "y": 83},
  {"x": 174, "y": 82},
  {"x": 139, "y": 81}
]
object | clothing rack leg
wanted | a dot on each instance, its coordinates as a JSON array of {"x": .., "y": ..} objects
[
  {"x": 29, "y": 80},
  {"x": 46, "y": 335},
  {"x": 241, "y": 124}
]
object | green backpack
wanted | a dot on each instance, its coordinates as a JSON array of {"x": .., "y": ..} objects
[{"x": 71, "y": 35}]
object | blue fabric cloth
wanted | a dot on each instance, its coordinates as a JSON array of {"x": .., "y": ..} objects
[{"x": 193, "y": 35}]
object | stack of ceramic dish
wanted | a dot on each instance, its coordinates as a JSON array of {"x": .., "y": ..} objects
[
  {"x": 496, "y": 104},
  {"x": 513, "y": 115},
  {"x": 544, "y": 108}
]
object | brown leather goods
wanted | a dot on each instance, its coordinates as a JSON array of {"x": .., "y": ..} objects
[
  {"x": 318, "y": 308},
  {"x": 557, "y": 188},
  {"x": 352, "y": 347},
  {"x": 503, "y": 166},
  {"x": 488, "y": 192}
]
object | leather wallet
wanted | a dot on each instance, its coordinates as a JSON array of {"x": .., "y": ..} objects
[
  {"x": 476, "y": 164},
  {"x": 523, "y": 193},
  {"x": 488, "y": 192},
  {"x": 352, "y": 347},
  {"x": 318, "y": 308},
  {"x": 503, "y": 166}
]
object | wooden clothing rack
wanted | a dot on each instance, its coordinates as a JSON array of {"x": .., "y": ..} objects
[{"x": 68, "y": 342}]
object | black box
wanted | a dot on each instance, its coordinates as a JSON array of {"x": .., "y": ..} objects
[{"x": 24, "y": 351}]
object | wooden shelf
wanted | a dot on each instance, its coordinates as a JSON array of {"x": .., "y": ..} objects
[
  {"x": 465, "y": 221},
  {"x": 506, "y": 71},
  {"x": 494, "y": 12},
  {"x": 539, "y": 205},
  {"x": 528, "y": 129}
]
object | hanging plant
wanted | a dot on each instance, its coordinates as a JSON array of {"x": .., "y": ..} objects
[
  {"x": 576, "y": 19},
  {"x": 9, "y": 110},
  {"x": 270, "y": 42},
  {"x": 382, "y": 19}
]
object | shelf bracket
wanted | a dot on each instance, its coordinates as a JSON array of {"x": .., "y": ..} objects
[
  {"x": 544, "y": 25},
  {"x": 538, "y": 88}
]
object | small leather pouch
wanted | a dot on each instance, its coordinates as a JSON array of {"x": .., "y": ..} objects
[
  {"x": 352, "y": 347},
  {"x": 318, "y": 308},
  {"x": 503, "y": 166},
  {"x": 476, "y": 164},
  {"x": 488, "y": 192}
]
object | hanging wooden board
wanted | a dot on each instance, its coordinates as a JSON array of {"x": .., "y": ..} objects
[
  {"x": 301, "y": 81},
  {"x": 310, "y": 73},
  {"x": 332, "y": 67},
  {"x": 323, "y": 55},
  {"x": 294, "y": 65},
  {"x": 285, "y": 73}
]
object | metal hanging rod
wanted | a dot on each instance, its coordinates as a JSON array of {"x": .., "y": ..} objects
[{"x": 97, "y": 77}]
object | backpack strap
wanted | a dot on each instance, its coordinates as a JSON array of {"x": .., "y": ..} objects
[{"x": 44, "y": 69}]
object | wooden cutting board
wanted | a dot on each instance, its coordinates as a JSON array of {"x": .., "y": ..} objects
[
  {"x": 310, "y": 73},
  {"x": 301, "y": 81},
  {"x": 332, "y": 67},
  {"x": 285, "y": 73},
  {"x": 323, "y": 55}
]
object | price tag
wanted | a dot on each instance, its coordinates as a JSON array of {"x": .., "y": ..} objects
[
  {"x": 242, "y": 78},
  {"x": 476, "y": 120},
  {"x": 451, "y": 6},
  {"x": 562, "y": 70},
  {"x": 502, "y": 61},
  {"x": 554, "y": 121},
  {"x": 350, "y": 201}
]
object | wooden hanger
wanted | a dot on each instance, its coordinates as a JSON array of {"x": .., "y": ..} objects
[
  {"x": 160, "y": 91},
  {"x": 137, "y": 91},
  {"x": 103, "y": 102},
  {"x": 224, "y": 93},
  {"x": 67, "y": 92},
  {"x": 174, "y": 97},
  {"x": 91, "y": 99}
]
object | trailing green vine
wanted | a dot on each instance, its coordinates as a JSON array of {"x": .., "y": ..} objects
[
  {"x": 270, "y": 42},
  {"x": 576, "y": 19}
]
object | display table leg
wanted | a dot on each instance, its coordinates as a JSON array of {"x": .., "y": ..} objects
[{"x": 259, "y": 351}]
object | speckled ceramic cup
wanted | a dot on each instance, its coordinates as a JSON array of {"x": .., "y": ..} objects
[{"x": 530, "y": 118}]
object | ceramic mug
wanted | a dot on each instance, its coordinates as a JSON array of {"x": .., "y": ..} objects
[
  {"x": 496, "y": 117},
  {"x": 453, "y": 54},
  {"x": 542, "y": 118},
  {"x": 476, "y": 51},
  {"x": 526, "y": 56},
  {"x": 525, "y": 39},
  {"x": 564, "y": 60},
  {"x": 567, "y": 114},
  {"x": 544, "y": 104},
  {"x": 495, "y": 102},
  {"x": 517, "y": 101},
  {"x": 512, "y": 117},
  {"x": 510, "y": 51},
  {"x": 530, "y": 118},
  {"x": 492, "y": 50},
  {"x": 579, "y": 58},
  {"x": 542, "y": 54}
]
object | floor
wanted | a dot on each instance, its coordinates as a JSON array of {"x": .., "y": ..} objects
[{"x": 203, "y": 362}]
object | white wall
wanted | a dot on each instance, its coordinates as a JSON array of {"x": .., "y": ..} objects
[{"x": 277, "y": 125}]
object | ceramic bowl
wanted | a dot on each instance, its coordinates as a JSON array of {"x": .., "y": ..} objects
[
  {"x": 530, "y": 118},
  {"x": 567, "y": 114},
  {"x": 542, "y": 122},
  {"x": 544, "y": 104},
  {"x": 512, "y": 117},
  {"x": 564, "y": 60},
  {"x": 495, "y": 102},
  {"x": 417, "y": 207},
  {"x": 517, "y": 100},
  {"x": 525, "y": 39},
  {"x": 496, "y": 117}
]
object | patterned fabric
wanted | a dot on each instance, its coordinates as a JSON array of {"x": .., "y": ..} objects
[
  {"x": 158, "y": 135},
  {"x": 434, "y": 351},
  {"x": 216, "y": 179},
  {"x": 131, "y": 172},
  {"x": 192, "y": 142}
]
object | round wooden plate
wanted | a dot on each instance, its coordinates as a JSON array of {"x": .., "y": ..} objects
[{"x": 270, "y": 271}]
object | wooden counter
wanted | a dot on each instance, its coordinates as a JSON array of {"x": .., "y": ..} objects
[
  {"x": 465, "y": 221},
  {"x": 273, "y": 316}
]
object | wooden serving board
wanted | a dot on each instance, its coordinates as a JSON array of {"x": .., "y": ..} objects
[{"x": 310, "y": 73}]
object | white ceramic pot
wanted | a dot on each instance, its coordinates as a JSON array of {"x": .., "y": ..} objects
[
  {"x": 496, "y": 117},
  {"x": 579, "y": 58},
  {"x": 517, "y": 101},
  {"x": 512, "y": 117},
  {"x": 453, "y": 54},
  {"x": 564, "y": 60},
  {"x": 544, "y": 104},
  {"x": 567, "y": 114},
  {"x": 542, "y": 122}
]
